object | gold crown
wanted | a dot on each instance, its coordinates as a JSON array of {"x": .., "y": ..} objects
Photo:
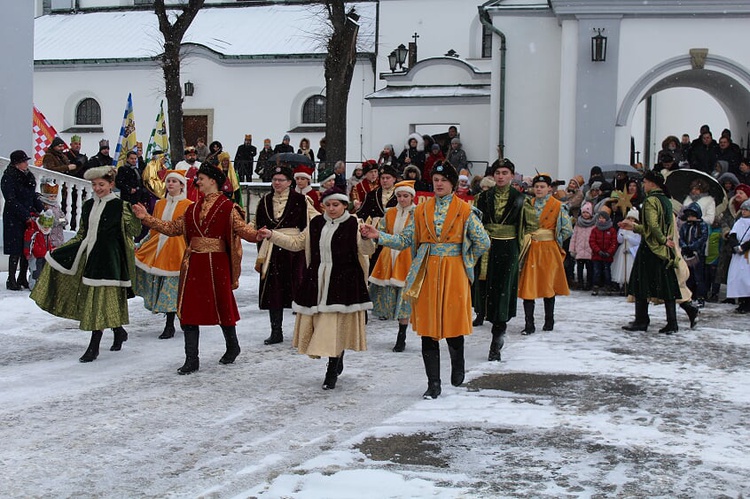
[{"x": 49, "y": 188}]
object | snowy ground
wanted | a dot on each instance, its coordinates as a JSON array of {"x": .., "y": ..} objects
[{"x": 584, "y": 411}]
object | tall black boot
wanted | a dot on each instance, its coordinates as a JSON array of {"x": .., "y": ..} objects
[
  {"x": 528, "y": 312},
  {"x": 691, "y": 311},
  {"x": 456, "y": 351},
  {"x": 431, "y": 358},
  {"x": 642, "y": 320},
  {"x": 233, "y": 344},
  {"x": 498, "y": 340},
  {"x": 549, "y": 314},
  {"x": 400, "y": 338},
  {"x": 11, "y": 283},
  {"x": 92, "y": 352},
  {"x": 332, "y": 374},
  {"x": 168, "y": 327},
  {"x": 121, "y": 336},
  {"x": 672, "y": 326},
  {"x": 23, "y": 273},
  {"x": 277, "y": 335},
  {"x": 340, "y": 367},
  {"x": 192, "y": 337}
]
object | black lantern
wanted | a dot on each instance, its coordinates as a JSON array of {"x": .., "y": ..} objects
[
  {"x": 392, "y": 61},
  {"x": 401, "y": 53},
  {"x": 598, "y": 46},
  {"x": 189, "y": 88}
]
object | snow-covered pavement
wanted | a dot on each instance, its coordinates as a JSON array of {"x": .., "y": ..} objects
[{"x": 584, "y": 411}]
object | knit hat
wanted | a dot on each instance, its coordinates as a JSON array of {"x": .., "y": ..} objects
[
  {"x": 587, "y": 208},
  {"x": 57, "y": 141},
  {"x": 633, "y": 213},
  {"x": 455, "y": 140},
  {"x": 596, "y": 170},
  {"x": 744, "y": 188},
  {"x": 178, "y": 175},
  {"x": 435, "y": 146},
  {"x": 406, "y": 186},
  {"x": 465, "y": 178},
  {"x": 334, "y": 193},
  {"x": 604, "y": 212},
  {"x": 446, "y": 170},
  {"x": 303, "y": 171},
  {"x": 286, "y": 137},
  {"x": 214, "y": 173},
  {"x": 578, "y": 179},
  {"x": 745, "y": 205},
  {"x": 103, "y": 144}
]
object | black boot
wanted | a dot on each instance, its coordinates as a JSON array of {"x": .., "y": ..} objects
[
  {"x": 549, "y": 314},
  {"x": 11, "y": 283},
  {"x": 498, "y": 340},
  {"x": 692, "y": 313},
  {"x": 332, "y": 375},
  {"x": 400, "y": 338},
  {"x": 192, "y": 363},
  {"x": 456, "y": 350},
  {"x": 641, "y": 321},
  {"x": 121, "y": 336},
  {"x": 23, "y": 271},
  {"x": 277, "y": 335},
  {"x": 528, "y": 311},
  {"x": 478, "y": 321},
  {"x": 169, "y": 327},
  {"x": 340, "y": 367},
  {"x": 672, "y": 326},
  {"x": 233, "y": 345},
  {"x": 431, "y": 358},
  {"x": 92, "y": 352}
]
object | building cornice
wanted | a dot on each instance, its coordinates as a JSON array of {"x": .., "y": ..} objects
[{"x": 625, "y": 8}]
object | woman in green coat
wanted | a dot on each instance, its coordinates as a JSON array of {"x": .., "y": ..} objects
[{"x": 87, "y": 278}]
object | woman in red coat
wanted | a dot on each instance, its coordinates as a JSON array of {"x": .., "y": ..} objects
[{"x": 212, "y": 228}]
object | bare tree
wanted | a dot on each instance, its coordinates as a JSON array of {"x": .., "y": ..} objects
[
  {"x": 339, "y": 69},
  {"x": 170, "y": 63}
]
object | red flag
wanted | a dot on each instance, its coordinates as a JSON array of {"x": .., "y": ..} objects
[{"x": 43, "y": 134}]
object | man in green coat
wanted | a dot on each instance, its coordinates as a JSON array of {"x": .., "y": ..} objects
[{"x": 653, "y": 274}]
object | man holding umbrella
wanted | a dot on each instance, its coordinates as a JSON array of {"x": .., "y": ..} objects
[{"x": 653, "y": 274}]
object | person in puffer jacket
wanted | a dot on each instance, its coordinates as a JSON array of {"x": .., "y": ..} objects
[
  {"x": 693, "y": 239},
  {"x": 603, "y": 242}
]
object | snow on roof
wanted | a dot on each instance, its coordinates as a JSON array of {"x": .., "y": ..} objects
[
  {"x": 412, "y": 92},
  {"x": 234, "y": 32}
]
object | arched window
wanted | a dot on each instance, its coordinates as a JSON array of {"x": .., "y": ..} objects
[
  {"x": 88, "y": 112},
  {"x": 314, "y": 109}
]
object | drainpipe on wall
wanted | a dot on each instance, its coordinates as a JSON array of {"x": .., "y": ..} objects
[{"x": 485, "y": 19}]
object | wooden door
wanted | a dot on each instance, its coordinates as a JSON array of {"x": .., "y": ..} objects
[{"x": 195, "y": 127}]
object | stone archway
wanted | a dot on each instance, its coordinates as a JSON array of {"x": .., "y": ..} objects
[{"x": 723, "y": 79}]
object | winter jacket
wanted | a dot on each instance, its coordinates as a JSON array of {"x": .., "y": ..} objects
[
  {"x": 580, "y": 247},
  {"x": 694, "y": 235},
  {"x": 707, "y": 207},
  {"x": 457, "y": 157},
  {"x": 21, "y": 199},
  {"x": 603, "y": 240}
]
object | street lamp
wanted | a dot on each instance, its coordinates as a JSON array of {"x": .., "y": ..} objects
[
  {"x": 392, "y": 61},
  {"x": 401, "y": 53},
  {"x": 598, "y": 46}
]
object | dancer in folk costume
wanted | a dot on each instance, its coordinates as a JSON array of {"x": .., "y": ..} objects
[
  {"x": 87, "y": 279},
  {"x": 389, "y": 275},
  {"x": 447, "y": 239},
  {"x": 332, "y": 300},
  {"x": 210, "y": 270},
  {"x": 738, "y": 280},
  {"x": 303, "y": 177},
  {"x": 626, "y": 251},
  {"x": 543, "y": 270},
  {"x": 159, "y": 257}
]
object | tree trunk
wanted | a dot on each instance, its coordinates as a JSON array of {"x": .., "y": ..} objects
[{"x": 339, "y": 69}]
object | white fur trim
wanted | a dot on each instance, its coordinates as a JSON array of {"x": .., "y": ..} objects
[
  {"x": 105, "y": 282},
  {"x": 156, "y": 271},
  {"x": 340, "y": 197},
  {"x": 98, "y": 172},
  {"x": 303, "y": 174},
  {"x": 180, "y": 178},
  {"x": 342, "y": 309},
  {"x": 404, "y": 188}
]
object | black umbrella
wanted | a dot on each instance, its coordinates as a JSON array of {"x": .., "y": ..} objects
[
  {"x": 678, "y": 184},
  {"x": 291, "y": 158},
  {"x": 609, "y": 172}
]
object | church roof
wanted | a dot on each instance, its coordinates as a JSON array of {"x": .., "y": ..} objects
[{"x": 261, "y": 31}]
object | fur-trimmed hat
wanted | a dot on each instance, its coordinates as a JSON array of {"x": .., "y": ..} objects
[
  {"x": 334, "y": 193},
  {"x": 303, "y": 171},
  {"x": 578, "y": 179},
  {"x": 213, "y": 172},
  {"x": 388, "y": 170},
  {"x": 406, "y": 186},
  {"x": 178, "y": 175},
  {"x": 368, "y": 165},
  {"x": 654, "y": 177},
  {"x": 542, "y": 177},
  {"x": 503, "y": 163},
  {"x": 447, "y": 170},
  {"x": 325, "y": 176},
  {"x": 108, "y": 172},
  {"x": 413, "y": 168},
  {"x": 487, "y": 182},
  {"x": 282, "y": 170}
]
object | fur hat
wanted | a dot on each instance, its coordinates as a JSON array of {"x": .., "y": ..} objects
[
  {"x": 447, "y": 170},
  {"x": 57, "y": 141},
  {"x": 503, "y": 163},
  {"x": 406, "y": 186},
  {"x": 283, "y": 170},
  {"x": 654, "y": 177},
  {"x": 303, "y": 171},
  {"x": 108, "y": 171},
  {"x": 214, "y": 173},
  {"x": 334, "y": 193},
  {"x": 487, "y": 182},
  {"x": 542, "y": 177},
  {"x": 578, "y": 179},
  {"x": 389, "y": 170}
]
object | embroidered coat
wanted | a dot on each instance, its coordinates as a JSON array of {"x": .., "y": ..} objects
[{"x": 447, "y": 239}]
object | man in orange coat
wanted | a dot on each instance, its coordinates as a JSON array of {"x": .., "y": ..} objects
[
  {"x": 447, "y": 239},
  {"x": 543, "y": 271}
]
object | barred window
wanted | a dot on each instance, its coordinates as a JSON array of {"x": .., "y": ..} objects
[
  {"x": 314, "y": 109},
  {"x": 486, "y": 42},
  {"x": 88, "y": 112}
]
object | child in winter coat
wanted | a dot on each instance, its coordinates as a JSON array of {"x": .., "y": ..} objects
[
  {"x": 625, "y": 255},
  {"x": 693, "y": 238},
  {"x": 580, "y": 248},
  {"x": 603, "y": 241},
  {"x": 37, "y": 242}
]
